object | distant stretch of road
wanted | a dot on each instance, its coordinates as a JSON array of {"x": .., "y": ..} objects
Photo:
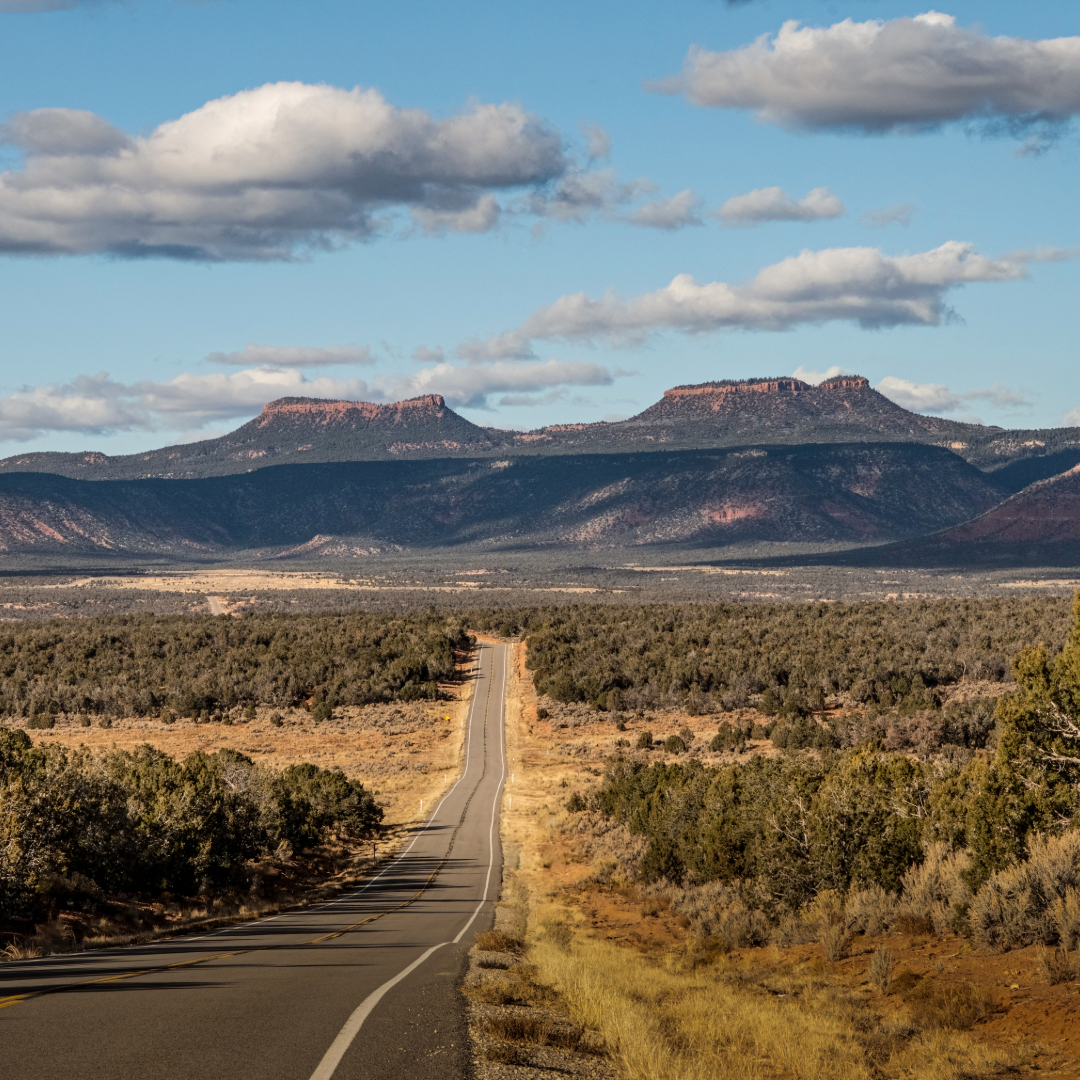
[{"x": 361, "y": 987}]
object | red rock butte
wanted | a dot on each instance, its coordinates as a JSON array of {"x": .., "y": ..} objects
[
  {"x": 327, "y": 412},
  {"x": 786, "y": 385}
]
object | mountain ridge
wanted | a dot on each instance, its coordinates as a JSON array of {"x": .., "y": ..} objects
[{"x": 718, "y": 414}]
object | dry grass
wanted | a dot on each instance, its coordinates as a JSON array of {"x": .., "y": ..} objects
[{"x": 721, "y": 1024}]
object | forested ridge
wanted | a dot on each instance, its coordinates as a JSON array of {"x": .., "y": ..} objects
[
  {"x": 146, "y": 665},
  {"x": 717, "y": 656}
]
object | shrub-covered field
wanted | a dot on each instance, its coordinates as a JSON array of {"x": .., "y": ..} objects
[
  {"x": 142, "y": 665},
  {"x": 718, "y": 655},
  {"x": 987, "y": 846},
  {"x": 75, "y": 825}
]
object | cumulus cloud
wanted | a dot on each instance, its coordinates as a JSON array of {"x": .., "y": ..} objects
[
  {"x": 775, "y": 204},
  {"x": 1072, "y": 419},
  {"x": 99, "y": 405},
  {"x": 293, "y": 356},
  {"x": 887, "y": 75},
  {"x": 670, "y": 214},
  {"x": 265, "y": 174},
  {"x": 938, "y": 398},
  {"x": 861, "y": 285},
  {"x": 897, "y": 214},
  {"x": 816, "y": 377}
]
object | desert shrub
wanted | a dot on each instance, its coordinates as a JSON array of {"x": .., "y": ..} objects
[
  {"x": 1065, "y": 912},
  {"x": 1056, "y": 966},
  {"x": 1016, "y": 907},
  {"x": 881, "y": 970},
  {"x": 871, "y": 910},
  {"x": 41, "y": 722},
  {"x": 835, "y": 941},
  {"x": 645, "y": 740},
  {"x": 674, "y": 745},
  {"x": 276, "y": 720},
  {"x": 576, "y": 803},
  {"x": 957, "y": 1006},
  {"x": 741, "y": 927},
  {"x": 936, "y": 889},
  {"x": 498, "y": 941}
]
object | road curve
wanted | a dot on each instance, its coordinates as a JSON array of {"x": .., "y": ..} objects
[{"x": 361, "y": 987}]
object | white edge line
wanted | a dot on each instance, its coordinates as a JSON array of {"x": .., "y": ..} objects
[
  {"x": 332, "y": 1057},
  {"x": 338, "y": 1048}
]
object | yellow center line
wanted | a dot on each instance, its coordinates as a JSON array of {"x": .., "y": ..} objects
[{"x": 15, "y": 999}]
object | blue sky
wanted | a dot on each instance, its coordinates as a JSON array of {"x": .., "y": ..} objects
[{"x": 492, "y": 216}]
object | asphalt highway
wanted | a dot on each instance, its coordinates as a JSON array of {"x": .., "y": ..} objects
[{"x": 361, "y": 987}]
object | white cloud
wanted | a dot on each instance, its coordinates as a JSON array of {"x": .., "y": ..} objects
[
  {"x": 775, "y": 204},
  {"x": 99, "y": 405},
  {"x": 938, "y": 398},
  {"x": 96, "y": 404},
  {"x": 469, "y": 386},
  {"x": 674, "y": 213},
  {"x": 860, "y": 285},
  {"x": 578, "y": 196},
  {"x": 1072, "y": 419},
  {"x": 424, "y": 355},
  {"x": 598, "y": 140},
  {"x": 815, "y": 377},
  {"x": 876, "y": 76},
  {"x": 919, "y": 397},
  {"x": 264, "y": 174},
  {"x": 293, "y": 356},
  {"x": 897, "y": 214}
]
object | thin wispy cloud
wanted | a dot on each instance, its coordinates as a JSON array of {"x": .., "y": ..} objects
[
  {"x": 775, "y": 204},
  {"x": 293, "y": 356},
  {"x": 897, "y": 214},
  {"x": 860, "y": 285},
  {"x": 890, "y": 75},
  {"x": 938, "y": 398}
]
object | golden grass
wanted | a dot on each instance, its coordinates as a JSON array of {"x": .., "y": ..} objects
[{"x": 722, "y": 1024}]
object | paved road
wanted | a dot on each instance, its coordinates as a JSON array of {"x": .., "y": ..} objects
[{"x": 362, "y": 987}]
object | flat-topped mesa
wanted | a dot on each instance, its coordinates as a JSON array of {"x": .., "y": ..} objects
[
  {"x": 325, "y": 411},
  {"x": 781, "y": 385}
]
